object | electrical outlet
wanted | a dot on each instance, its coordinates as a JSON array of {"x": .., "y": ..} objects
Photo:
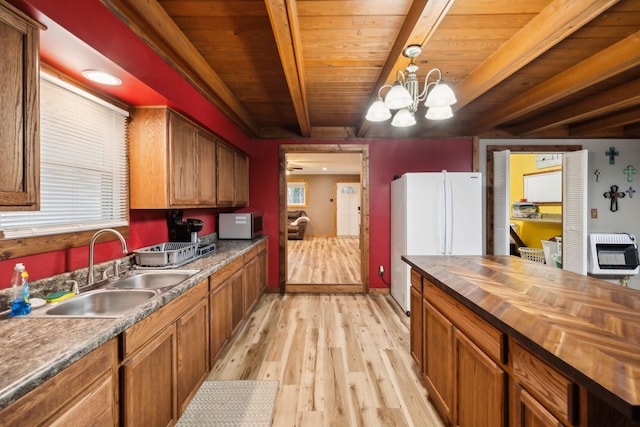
[
  {"x": 594, "y": 213},
  {"x": 381, "y": 271}
]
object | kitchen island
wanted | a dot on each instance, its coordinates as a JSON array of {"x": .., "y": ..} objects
[
  {"x": 505, "y": 341},
  {"x": 90, "y": 371}
]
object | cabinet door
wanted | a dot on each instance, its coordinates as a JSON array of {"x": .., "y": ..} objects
[
  {"x": 415, "y": 331},
  {"x": 225, "y": 157},
  {"x": 19, "y": 113},
  {"x": 193, "y": 352},
  {"x": 528, "y": 412},
  {"x": 480, "y": 386},
  {"x": 183, "y": 153},
  {"x": 251, "y": 284},
  {"x": 220, "y": 319},
  {"x": 149, "y": 383},
  {"x": 241, "y": 179},
  {"x": 237, "y": 299},
  {"x": 438, "y": 359},
  {"x": 206, "y": 179},
  {"x": 263, "y": 270}
]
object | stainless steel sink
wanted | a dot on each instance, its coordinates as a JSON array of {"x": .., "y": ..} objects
[
  {"x": 100, "y": 303},
  {"x": 152, "y": 279}
]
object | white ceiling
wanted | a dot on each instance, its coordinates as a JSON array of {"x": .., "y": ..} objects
[{"x": 325, "y": 163}]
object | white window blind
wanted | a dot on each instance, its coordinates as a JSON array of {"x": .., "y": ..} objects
[{"x": 83, "y": 169}]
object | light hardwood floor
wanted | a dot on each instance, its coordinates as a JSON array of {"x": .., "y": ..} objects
[
  {"x": 324, "y": 260},
  {"x": 342, "y": 360}
]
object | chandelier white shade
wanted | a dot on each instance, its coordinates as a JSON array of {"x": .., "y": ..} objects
[{"x": 404, "y": 95}]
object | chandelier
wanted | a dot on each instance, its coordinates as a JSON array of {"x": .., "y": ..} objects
[{"x": 404, "y": 95}]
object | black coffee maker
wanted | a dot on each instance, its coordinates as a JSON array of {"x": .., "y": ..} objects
[{"x": 181, "y": 231}]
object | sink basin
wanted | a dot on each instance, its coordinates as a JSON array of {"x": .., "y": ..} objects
[
  {"x": 153, "y": 279},
  {"x": 101, "y": 303}
]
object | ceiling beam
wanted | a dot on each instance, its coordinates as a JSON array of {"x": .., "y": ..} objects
[
  {"x": 552, "y": 25},
  {"x": 613, "y": 120},
  {"x": 153, "y": 25},
  {"x": 605, "y": 64},
  {"x": 615, "y": 99},
  {"x": 422, "y": 20},
  {"x": 283, "y": 17}
]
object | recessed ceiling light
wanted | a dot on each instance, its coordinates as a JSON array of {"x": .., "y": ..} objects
[
  {"x": 102, "y": 77},
  {"x": 324, "y": 169}
]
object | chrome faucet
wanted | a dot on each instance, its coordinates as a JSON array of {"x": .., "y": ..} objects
[{"x": 90, "y": 277}]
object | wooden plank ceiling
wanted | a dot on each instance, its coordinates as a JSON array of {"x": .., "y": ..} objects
[{"x": 310, "y": 68}]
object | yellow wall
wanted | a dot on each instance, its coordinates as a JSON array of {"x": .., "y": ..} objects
[{"x": 530, "y": 232}]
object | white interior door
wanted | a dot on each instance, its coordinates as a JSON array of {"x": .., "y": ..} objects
[
  {"x": 501, "y": 232},
  {"x": 574, "y": 211},
  {"x": 348, "y": 208}
]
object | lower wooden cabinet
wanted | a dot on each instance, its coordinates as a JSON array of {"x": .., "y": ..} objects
[
  {"x": 85, "y": 393},
  {"x": 465, "y": 379},
  {"x": 193, "y": 351},
  {"x": 438, "y": 359},
  {"x": 480, "y": 386},
  {"x": 149, "y": 382},
  {"x": 165, "y": 359},
  {"x": 416, "y": 320},
  {"x": 528, "y": 412}
]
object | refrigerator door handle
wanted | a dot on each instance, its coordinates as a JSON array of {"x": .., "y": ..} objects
[
  {"x": 442, "y": 218},
  {"x": 449, "y": 218}
]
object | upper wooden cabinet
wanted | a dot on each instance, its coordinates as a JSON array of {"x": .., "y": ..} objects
[
  {"x": 19, "y": 111},
  {"x": 233, "y": 176},
  {"x": 176, "y": 164}
]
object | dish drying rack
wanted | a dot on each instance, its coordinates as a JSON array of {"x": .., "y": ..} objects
[{"x": 166, "y": 255}]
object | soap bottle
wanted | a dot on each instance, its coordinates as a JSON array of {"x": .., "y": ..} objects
[{"x": 20, "y": 284}]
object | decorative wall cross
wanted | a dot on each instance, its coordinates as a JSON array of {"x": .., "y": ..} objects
[
  {"x": 630, "y": 192},
  {"x": 614, "y": 195},
  {"x": 629, "y": 171},
  {"x": 612, "y": 153},
  {"x": 597, "y": 174}
]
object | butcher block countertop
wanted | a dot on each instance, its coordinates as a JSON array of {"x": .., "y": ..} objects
[{"x": 586, "y": 328}]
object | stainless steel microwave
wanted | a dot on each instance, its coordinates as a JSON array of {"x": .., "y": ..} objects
[{"x": 240, "y": 225}]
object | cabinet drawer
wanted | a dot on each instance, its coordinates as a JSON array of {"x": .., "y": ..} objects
[
  {"x": 485, "y": 336},
  {"x": 134, "y": 337},
  {"x": 220, "y": 276},
  {"x": 416, "y": 280},
  {"x": 552, "y": 389}
]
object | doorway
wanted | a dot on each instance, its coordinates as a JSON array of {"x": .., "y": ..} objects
[
  {"x": 347, "y": 208},
  {"x": 361, "y": 238}
]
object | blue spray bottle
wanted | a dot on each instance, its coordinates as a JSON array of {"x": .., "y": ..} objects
[{"x": 20, "y": 284}]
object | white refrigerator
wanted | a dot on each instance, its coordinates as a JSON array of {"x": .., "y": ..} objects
[{"x": 433, "y": 213}]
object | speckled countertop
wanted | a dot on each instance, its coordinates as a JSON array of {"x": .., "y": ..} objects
[{"x": 34, "y": 349}]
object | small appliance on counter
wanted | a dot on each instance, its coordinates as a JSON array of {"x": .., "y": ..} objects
[
  {"x": 613, "y": 254},
  {"x": 246, "y": 225},
  {"x": 180, "y": 231}
]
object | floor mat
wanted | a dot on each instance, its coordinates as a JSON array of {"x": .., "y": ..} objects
[{"x": 232, "y": 403}]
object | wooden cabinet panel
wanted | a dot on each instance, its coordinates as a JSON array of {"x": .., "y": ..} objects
[
  {"x": 552, "y": 389},
  {"x": 86, "y": 390},
  {"x": 416, "y": 328},
  {"x": 251, "y": 285},
  {"x": 183, "y": 156},
  {"x": 232, "y": 176},
  {"x": 241, "y": 173},
  {"x": 149, "y": 383},
  {"x": 480, "y": 387},
  {"x": 528, "y": 412},
  {"x": 438, "y": 359},
  {"x": 263, "y": 269},
  {"x": 206, "y": 177},
  {"x": 19, "y": 111},
  {"x": 237, "y": 299},
  {"x": 226, "y": 174},
  {"x": 219, "y": 319},
  {"x": 193, "y": 352}
]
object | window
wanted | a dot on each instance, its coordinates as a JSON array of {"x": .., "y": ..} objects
[
  {"x": 83, "y": 165},
  {"x": 297, "y": 194}
]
